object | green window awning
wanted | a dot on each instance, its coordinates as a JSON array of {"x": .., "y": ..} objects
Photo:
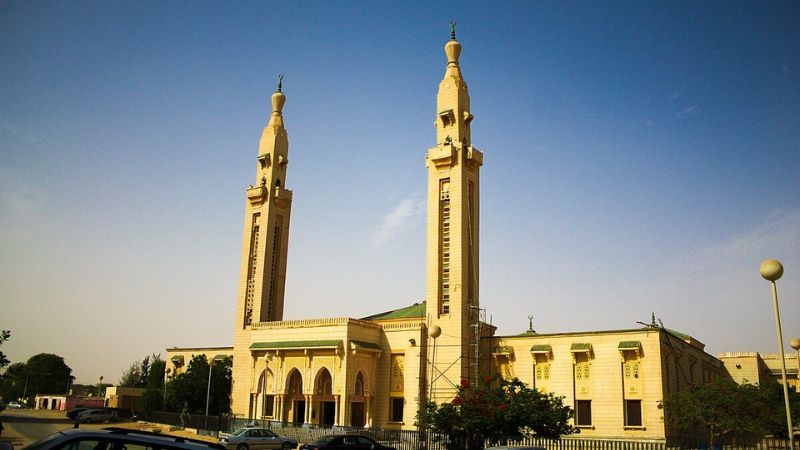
[
  {"x": 629, "y": 345},
  {"x": 177, "y": 360},
  {"x": 362, "y": 345},
  {"x": 580, "y": 347},
  {"x": 541, "y": 348},
  {"x": 503, "y": 350},
  {"x": 296, "y": 345}
]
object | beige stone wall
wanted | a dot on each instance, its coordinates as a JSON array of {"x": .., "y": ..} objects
[
  {"x": 756, "y": 368},
  {"x": 187, "y": 353},
  {"x": 605, "y": 375}
]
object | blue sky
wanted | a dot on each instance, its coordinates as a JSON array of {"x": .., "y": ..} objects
[{"x": 638, "y": 158}]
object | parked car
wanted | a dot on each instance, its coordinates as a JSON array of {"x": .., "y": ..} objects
[
  {"x": 96, "y": 415},
  {"x": 345, "y": 441},
  {"x": 73, "y": 413},
  {"x": 15, "y": 405},
  {"x": 119, "y": 438},
  {"x": 256, "y": 439}
]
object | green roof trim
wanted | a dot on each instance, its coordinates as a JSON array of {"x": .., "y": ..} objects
[
  {"x": 580, "y": 347},
  {"x": 366, "y": 345},
  {"x": 417, "y": 310},
  {"x": 629, "y": 345},
  {"x": 286, "y": 345},
  {"x": 541, "y": 348}
]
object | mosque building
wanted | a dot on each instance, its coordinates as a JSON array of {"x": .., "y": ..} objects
[{"x": 376, "y": 371}]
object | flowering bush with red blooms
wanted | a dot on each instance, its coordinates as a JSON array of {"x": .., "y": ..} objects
[{"x": 494, "y": 411}]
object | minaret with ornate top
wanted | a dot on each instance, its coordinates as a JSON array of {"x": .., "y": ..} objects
[
  {"x": 264, "y": 245},
  {"x": 452, "y": 242}
]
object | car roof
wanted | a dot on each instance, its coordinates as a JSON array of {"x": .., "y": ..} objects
[{"x": 116, "y": 433}]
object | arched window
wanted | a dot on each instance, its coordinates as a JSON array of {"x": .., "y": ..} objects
[
  {"x": 324, "y": 384},
  {"x": 359, "y": 386},
  {"x": 295, "y": 384}
]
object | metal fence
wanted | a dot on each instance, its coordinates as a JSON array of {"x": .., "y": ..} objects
[{"x": 421, "y": 440}]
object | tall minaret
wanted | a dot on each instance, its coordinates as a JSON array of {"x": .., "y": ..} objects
[
  {"x": 264, "y": 244},
  {"x": 452, "y": 255}
]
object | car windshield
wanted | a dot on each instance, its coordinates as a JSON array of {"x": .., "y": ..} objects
[{"x": 238, "y": 432}]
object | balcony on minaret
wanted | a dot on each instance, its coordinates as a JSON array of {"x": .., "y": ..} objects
[
  {"x": 443, "y": 155},
  {"x": 256, "y": 194},
  {"x": 474, "y": 157},
  {"x": 283, "y": 197}
]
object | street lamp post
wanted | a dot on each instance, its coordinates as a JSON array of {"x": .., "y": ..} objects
[
  {"x": 100, "y": 386},
  {"x": 217, "y": 358},
  {"x": 166, "y": 377},
  {"x": 795, "y": 344},
  {"x": 771, "y": 270}
]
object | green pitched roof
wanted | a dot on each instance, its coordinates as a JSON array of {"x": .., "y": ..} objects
[
  {"x": 283, "y": 345},
  {"x": 409, "y": 312}
]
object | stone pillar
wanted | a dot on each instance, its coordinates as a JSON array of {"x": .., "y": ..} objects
[{"x": 337, "y": 408}]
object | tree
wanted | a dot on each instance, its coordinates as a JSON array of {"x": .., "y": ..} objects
[
  {"x": 153, "y": 397},
  {"x": 190, "y": 387},
  {"x": 774, "y": 418},
  {"x": 12, "y": 382},
  {"x": 47, "y": 374},
  {"x": 4, "y": 336},
  {"x": 718, "y": 409},
  {"x": 137, "y": 374},
  {"x": 496, "y": 410}
]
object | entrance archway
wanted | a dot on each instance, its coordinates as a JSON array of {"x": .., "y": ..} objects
[
  {"x": 358, "y": 417},
  {"x": 323, "y": 393},
  {"x": 294, "y": 391}
]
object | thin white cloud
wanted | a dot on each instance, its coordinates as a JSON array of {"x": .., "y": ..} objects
[
  {"x": 688, "y": 110},
  {"x": 785, "y": 68},
  {"x": 649, "y": 123},
  {"x": 674, "y": 97},
  {"x": 403, "y": 217}
]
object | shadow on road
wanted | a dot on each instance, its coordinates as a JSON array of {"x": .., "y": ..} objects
[{"x": 32, "y": 419}]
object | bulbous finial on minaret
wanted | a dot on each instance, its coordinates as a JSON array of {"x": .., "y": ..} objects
[
  {"x": 278, "y": 99},
  {"x": 453, "y": 48}
]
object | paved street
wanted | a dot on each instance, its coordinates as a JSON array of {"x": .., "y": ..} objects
[{"x": 23, "y": 426}]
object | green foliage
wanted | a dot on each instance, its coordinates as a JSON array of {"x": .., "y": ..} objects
[
  {"x": 137, "y": 374},
  {"x": 4, "y": 336},
  {"x": 496, "y": 410},
  {"x": 190, "y": 387},
  {"x": 47, "y": 374},
  {"x": 774, "y": 419},
  {"x": 723, "y": 409},
  {"x": 153, "y": 397},
  {"x": 12, "y": 382}
]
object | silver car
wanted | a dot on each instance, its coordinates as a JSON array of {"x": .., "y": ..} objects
[
  {"x": 96, "y": 415},
  {"x": 256, "y": 439}
]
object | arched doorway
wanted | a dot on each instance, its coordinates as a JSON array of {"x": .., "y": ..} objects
[
  {"x": 358, "y": 417},
  {"x": 264, "y": 398},
  {"x": 294, "y": 391},
  {"x": 323, "y": 392}
]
